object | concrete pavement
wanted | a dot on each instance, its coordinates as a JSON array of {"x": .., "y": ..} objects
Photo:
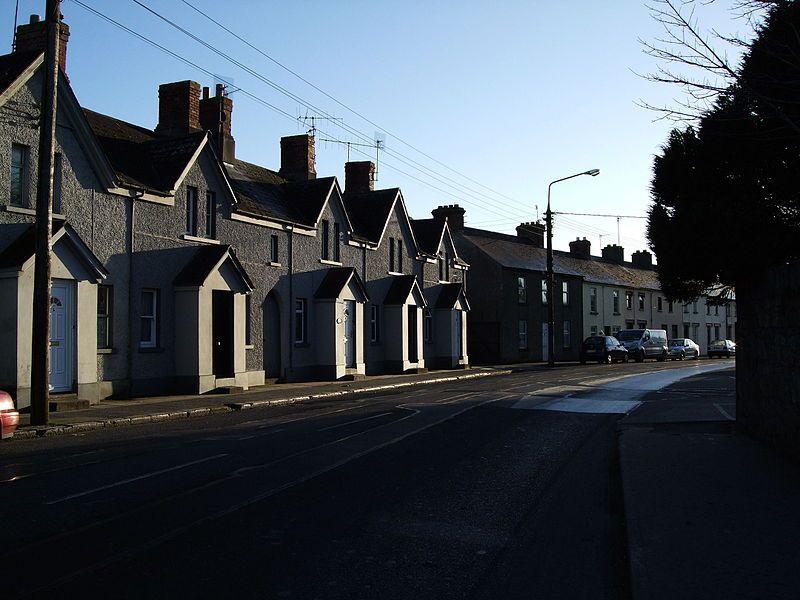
[{"x": 710, "y": 513}]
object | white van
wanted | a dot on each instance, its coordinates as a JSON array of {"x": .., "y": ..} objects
[{"x": 644, "y": 343}]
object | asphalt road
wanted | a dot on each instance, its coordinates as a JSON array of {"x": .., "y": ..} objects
[{"x": 505, "y": 487}]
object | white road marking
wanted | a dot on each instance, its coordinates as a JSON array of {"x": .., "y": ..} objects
[
  {"x": 354, "y": 421},
  {"x": 724, "y": 412},
  {"x": 139, "y": 478}
]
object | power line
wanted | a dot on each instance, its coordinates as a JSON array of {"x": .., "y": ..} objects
[{"x": 599, "y": 215}]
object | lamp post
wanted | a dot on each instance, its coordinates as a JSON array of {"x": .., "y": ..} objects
[{"x": 551, "y": 318}]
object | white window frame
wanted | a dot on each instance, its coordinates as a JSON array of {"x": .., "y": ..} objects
[
  {"x": 374, "y": 324},
  {"x": 106, "y": 317},
  {"x": 301, "y": 318},
  {"x": 522, "y": 290},
  {"x": 21, "y": 168},
  {"x": 427, "y": 325},
  {"x": 152, "y": 319},
  {"x": 565, "y": 293},
  {"x": 593, "y": 300},
  {"x": 191, "y": 211},
  {"x": 211, "y": 214},
  {"x": 273, "y": 248},
  {"x": 523, "y": 334},
  {"x": 615, "y": 298}
]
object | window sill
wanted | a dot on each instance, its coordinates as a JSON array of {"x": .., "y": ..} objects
[
  {"x": 616, "y": 314},
  {"x": 325, "y": 261},
  {"x": 150, "y": 350},
  {"x": 594, "y": 312},
  {"x": 23, "y": 210},
  {"x": 249, "y": 346},
  {"x": 202, "y": 240},
  {"x": 272, "y": 263},
  {"x": 394, "y": 273},
  {"x": 302, "y": 345},
  {"x": 106, "y": 350}
]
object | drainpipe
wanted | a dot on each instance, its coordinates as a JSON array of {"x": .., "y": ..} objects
[
  {"x": 290, "y": 316},
  {"x": 137, "y": 193}
]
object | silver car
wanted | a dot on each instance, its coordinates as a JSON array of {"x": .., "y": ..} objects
[{"x": 681, "y": 348}]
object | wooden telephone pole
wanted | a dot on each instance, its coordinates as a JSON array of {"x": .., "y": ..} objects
[{"x": 40, "y": 366}]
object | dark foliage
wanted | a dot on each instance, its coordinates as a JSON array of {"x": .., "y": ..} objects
[{"x": 726, "y": 196}]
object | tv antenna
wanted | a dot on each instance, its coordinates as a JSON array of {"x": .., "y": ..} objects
[
  {"x": 312, "y": 119},
  {"x": 380, "y": 144}
]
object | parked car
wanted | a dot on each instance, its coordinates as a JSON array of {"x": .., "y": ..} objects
[
  {"x": 721, "y": 348},
  {"x": 603, "y": 349},
  {"x": 9, "y": 417},
  {"x": 644, "y": 343},
  {"x": 681, "y": 348}
]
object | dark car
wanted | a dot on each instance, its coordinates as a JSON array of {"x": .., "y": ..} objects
[
  {"x": 603, "y": 349},
  {"x": 681, "y": 348},
  {"x": 721, "y": 348}
]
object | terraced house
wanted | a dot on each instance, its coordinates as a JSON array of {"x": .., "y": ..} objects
[{"x": 178, "y": 267}]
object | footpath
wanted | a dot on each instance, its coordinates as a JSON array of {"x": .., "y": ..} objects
[
  {"x": 130, "y": 411},
  {"x": 710, "y": 512}
]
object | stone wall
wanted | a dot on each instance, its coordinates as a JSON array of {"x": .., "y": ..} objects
[{"x": 767, "y": 363}]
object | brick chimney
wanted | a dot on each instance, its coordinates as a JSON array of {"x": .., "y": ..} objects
[
  {"x": 359, "y": 177},
  {"x": 33, "y": 37},
  {"x": 533, "y": 232},
  {"x": 614, "y": 253},
  {"x": 581, "y": 248},
  {"x": 297, "y": 158},
  {"x": 642, "y": 259},
  {"x": 178, "y": 108},
  {"x": 452, "y": 213},
  {"x": 215, "y": 117}
]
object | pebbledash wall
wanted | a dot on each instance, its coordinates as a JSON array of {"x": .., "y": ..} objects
[{"x": 767, "y": 373}]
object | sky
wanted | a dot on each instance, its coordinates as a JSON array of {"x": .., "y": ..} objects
[{"x": 477, "y": 103}]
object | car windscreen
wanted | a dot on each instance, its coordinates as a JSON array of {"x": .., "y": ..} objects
[
  {"x": 630, "y": 335},
  {"x": 595, "y": 339},
  {"x": 676, "y": 342}
]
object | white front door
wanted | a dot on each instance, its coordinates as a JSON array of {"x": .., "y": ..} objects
[
  {"x": 350, "y": 333},
  {"x": 62, "y": 326}
]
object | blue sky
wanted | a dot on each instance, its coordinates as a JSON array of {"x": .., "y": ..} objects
[{"x": 506, "y": 96}]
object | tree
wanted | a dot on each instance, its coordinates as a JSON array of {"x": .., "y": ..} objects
[{"x": 726, "y": 199}]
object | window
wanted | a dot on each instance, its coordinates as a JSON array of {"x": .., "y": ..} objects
[
  {"x": 708, "y": 309},
  {"x": 629, "y": 300},
  {"x": 716, "y": 310},
  {"x": 105, "y": 301},
  {"x": 325, "y": 235},
  {"x": 336, "y": 250},
  {"x": 523, "y": 335},
  {"x": 565, "y": 293},
  {"x": 686, "y": 311},
  {"x": 567, "y": 336},
  {"x": 641, "y": 301},
  {"x": 391, "y": 254},
  {"x": 399, "y": 256},
  {"x": 694, "y": 307},
  {"x": 593, "y": 300},
  {"x": 615, "y": 296},
  {"x": 669, "y": 308},
  {"x": 57, "y": 183},
  {"x": 19, "y": 175},
  {"x": 593, "y": 330},
  {"x": 544, "y": 291},
  {"x": 695, "y": 331},
  {"x": 686, "y": 331},
  {"x": 614, "y": 329},
  {"x": 440, "y": 262},
  {"x": 642, "y": 324},
  {"x": 446, "y": 266},
  {"x": 374, "y": 324},
  {"x": 716, "y": 332},
  {"x": 629, "y": 325},
  {"x": 522, "y": 293},
  {"x": 427, "y": 324},
  {"x": 607, "y": 329},
  {"x": 248, "y": 319},
  {"x": 300, "y": 321},
  {"x": 191, "y": 211},
  {"x": 660, "y": 303},
  {"x": 148, "y": 312},
  {"x": 674, "y": 331},
  {"x": 273, "y": 248},
  {"x": 211, "y": 215}
]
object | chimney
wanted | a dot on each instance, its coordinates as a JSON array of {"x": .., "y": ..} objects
[
  {"x": 582, "y": 248},
  {"x": 178, "y": 108},
  {"x": 33, "y": 37},
  {"x": 359, "y": 177},
  {"x": 215, "y": 117},
  {"x": 642, "y": 259},
  {"x": 533, "y": 232},
  {"x": 452, "y": 213},
  {"x": 614, "y": 253},
  {"x": 297, "y": 158}
]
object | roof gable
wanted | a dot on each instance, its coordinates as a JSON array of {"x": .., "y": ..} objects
[
  {"x": 205, "y": 261},
  {"x": 336, "y": 280},
  {"x": 452, "y": 296},
  {"x": 401, "y": 288},
  {"x": 369, "y": 212}
]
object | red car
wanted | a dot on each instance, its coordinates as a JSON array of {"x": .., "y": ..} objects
[{"x": 9, "y": 417}]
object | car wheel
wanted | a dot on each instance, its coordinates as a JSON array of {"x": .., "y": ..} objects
[
  {"x": 697, "y": 355},
  {"x": 625, "y": 358},
  {"x": 640, "y": 357},
  {"x": 608, "y": 359},
  {"x": 683, "y": 355}
]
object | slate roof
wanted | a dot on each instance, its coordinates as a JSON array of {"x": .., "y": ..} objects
[
  {"x": 23, "y": 248},
  {"x": 264, "y": 193},
  {"x": 449, "y": 295},
  {"x": 335, "y": 280},
  {"x": 509, "y": 251},
  {"x": 429, "y": 234},
  {"x": 139, "y": 156},
  {"x": 401, "y": 287},
  {"x": 369, "y": 212},
  {"x": 204, "y": 260},
  {"x": 13, "y": 65}
]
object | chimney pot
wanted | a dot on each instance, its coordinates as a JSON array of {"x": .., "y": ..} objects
[
  {"x": 178, "y": 108},
  {"x": 533, "y": 232},
  {"x": 215, "y": 115},
  {"x": 452, "y": 213},
  {"x": 642, "y": 259},
  {"x": 32, "y": 36},
  {"x": 34, "y": 19},
  {"x": 614, "y": 253},
  {"x": 582, "y": 248}
]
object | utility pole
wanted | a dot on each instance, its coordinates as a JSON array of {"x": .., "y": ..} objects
[{"x": 40, "y": 365}]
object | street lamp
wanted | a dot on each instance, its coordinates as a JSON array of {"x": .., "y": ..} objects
[{"x": 551, "y": 318}]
